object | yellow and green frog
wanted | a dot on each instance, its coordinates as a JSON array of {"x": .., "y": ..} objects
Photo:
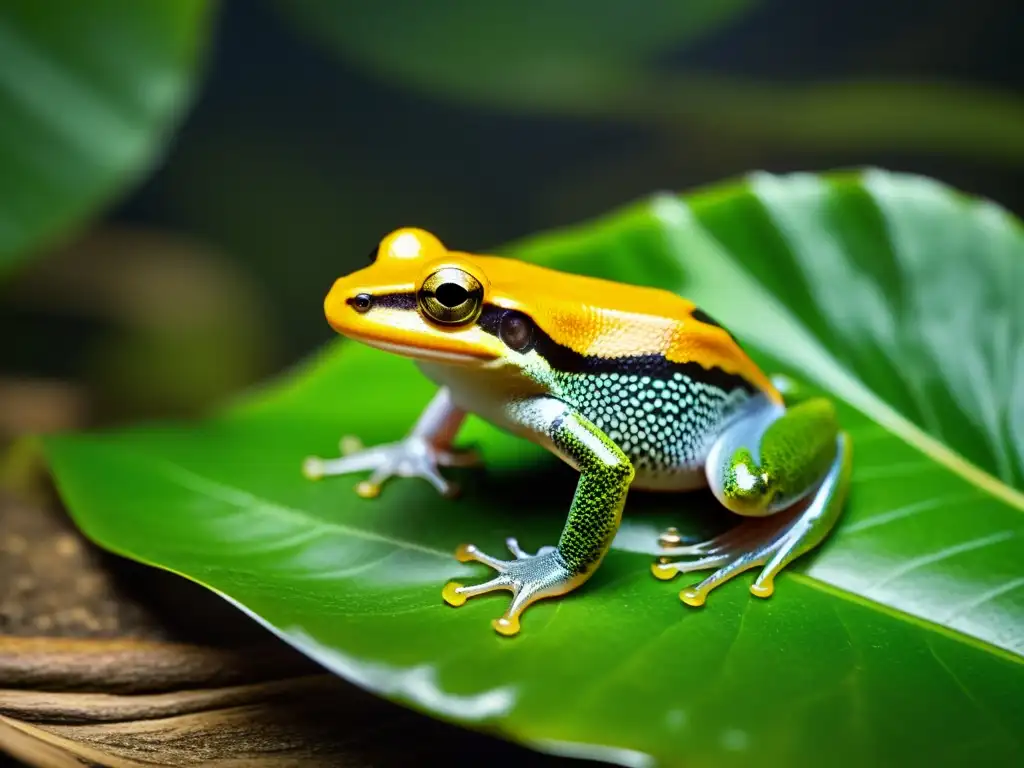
[{"x": 633, "y": 387}]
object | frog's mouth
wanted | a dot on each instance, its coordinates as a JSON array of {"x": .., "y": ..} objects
[
  {"x": 426, "y": 353},
  {"x": 466, "y": 347}
]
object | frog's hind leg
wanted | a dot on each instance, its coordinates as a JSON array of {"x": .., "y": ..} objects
[{"x": 793, "y": 491}]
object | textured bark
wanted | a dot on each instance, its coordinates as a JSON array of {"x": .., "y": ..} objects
[{"x": 104, "y": 662}]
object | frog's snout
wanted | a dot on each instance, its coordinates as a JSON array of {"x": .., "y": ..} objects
[
  {"x": 346, "y": 304},
  {"x": 385, "y": 313}
]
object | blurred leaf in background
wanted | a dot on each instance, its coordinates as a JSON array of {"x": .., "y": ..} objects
[
  {"x": 156, "y": 323},
  {"x": 90, "y": 94},
  {"x": 604, "y": 60},
  {"x": 557, "y": 56}
]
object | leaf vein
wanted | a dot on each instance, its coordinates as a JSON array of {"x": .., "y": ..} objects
[
  {"x": 909, "y": 510},
  {"x": 985, "y": 597},
  {"x": 943, "y": 554},
  {"x": 239, "y": 498}
]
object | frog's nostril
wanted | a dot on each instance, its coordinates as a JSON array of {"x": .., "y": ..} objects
[{"x": 361, "y": 302}]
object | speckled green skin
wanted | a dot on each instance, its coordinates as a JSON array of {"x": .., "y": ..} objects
[
  {"x": 661, "y": 419},
  {"x": 605, "y": 476},
  {"x": 596, "y": 508},
  {"x": 795, "y": 452}
]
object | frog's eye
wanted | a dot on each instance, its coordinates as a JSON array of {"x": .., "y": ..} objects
[{"x": 451, "y": 296}]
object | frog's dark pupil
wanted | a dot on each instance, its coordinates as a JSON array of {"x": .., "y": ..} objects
[
  {"x": 514, "y": 331},
  {"x": 450, "y": 294},
  {"x": 363, "y": 302}
]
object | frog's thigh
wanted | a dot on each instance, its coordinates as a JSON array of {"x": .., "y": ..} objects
[
  {"x": 772, "y": 458},
  {"x": 794, "y": 484}
]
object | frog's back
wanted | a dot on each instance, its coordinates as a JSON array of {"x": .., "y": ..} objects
[{"x": 603, "y": 326}]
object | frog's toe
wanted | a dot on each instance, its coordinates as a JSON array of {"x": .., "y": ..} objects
[
  {"x": 529, "y": 577},
  {"x": 455, "y": 594},
  {"x": 518, "y": 552},
  {"x": 666, "y": 569},
  {"x": 461, "y": 457},
  {"x": 521, "y": 554},
  {"x": 412, "y": 457},
  {"x": 316, "y": 467},
  {"x": 313, "y": 467},
  {"x": 530, "y": 592},
  {"x": 670, "y": 538},
  {"x": 770, "y": 543},
  {"x": 763, "y": 587},
  {"x": 465, "y": 553},
  {"x": 350, "y": 444},
  {"x": 673, "y": 543},
  {"x": 442, "y": 485},
  {"x": 697, "y": 594},
  {"x": 368, "y": 489}
]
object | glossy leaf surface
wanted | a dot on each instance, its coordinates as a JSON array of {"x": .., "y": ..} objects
[
  {"x": 88, "y": 95},
  {"x": 893, "y": 293}
]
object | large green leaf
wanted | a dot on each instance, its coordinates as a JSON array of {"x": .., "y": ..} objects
[
  {"x": 901, "y": 640},
  {"x": 88, "y": 95}
]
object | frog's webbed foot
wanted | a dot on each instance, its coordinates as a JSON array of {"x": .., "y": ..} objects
[
  {"x": 753, "y": 543},
  {"x": 772, "y": 541},
  {"x": 528, "y": 577},
  {"x": 414, "y": 456}
]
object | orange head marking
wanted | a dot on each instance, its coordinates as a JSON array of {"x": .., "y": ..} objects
[{"x": 417, "y": 299}]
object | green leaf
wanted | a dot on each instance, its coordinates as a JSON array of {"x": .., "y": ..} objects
[
  {"x": 502, "y": 52},
  {"x": 89, "y": 93},
  {"x": 537, "y": 57},
  {"x": 899, "y": 641}
]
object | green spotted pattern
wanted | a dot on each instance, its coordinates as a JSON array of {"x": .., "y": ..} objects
[{"x": 662, "y": 423}]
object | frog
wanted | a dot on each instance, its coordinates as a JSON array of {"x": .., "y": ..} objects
[{"x": 633, "y": 387}]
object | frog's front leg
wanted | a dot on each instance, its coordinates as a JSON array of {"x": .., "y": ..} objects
[
  {"x": 424, "y": 449},
  {"x": 789, "y": 471},
  {"x": 605, "y": 476}
]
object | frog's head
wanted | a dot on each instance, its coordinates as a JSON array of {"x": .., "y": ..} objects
[{"x": 418, "y": 299}]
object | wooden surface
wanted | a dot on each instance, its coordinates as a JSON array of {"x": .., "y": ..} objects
[{"x": 105, "y": 662}]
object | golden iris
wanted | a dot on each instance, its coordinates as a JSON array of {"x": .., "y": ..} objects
[{"x": 451, "y": 296}]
